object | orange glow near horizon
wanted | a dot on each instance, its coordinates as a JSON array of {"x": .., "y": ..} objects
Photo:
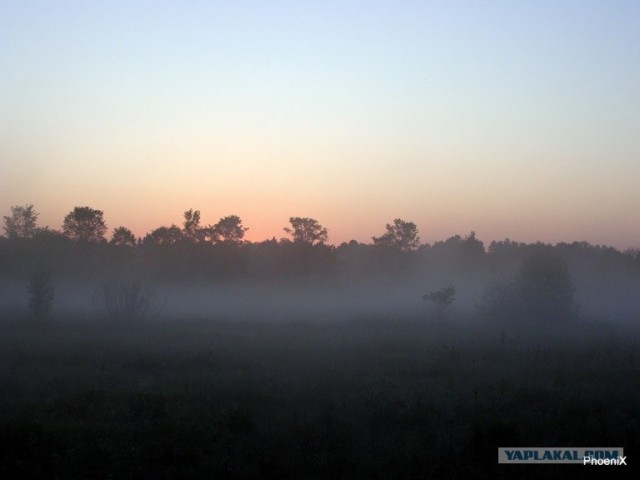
[
  {"x": 352, "y": 116},
  {"x": 348, "y": 225}
]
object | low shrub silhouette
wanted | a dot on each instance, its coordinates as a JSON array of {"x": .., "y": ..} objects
[{"x": 125, "y": 300}]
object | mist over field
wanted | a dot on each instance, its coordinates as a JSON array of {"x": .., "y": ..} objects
[{"x": 309, "y": 280}]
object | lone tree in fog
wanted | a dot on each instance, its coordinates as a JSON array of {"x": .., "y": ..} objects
[
  {"x": 402, "y": 236},
  {"x": 85, "y": 225},
  {"x": 40, "y": 290},
  {"x": 123, "y": 237},
  {"x": 22, "y": 223},
  {"x": 307, "y": 231},
  {"x": 442, "y": 299}
]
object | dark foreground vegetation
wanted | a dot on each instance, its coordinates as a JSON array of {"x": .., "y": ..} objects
[{"x": 378, "y": 398}]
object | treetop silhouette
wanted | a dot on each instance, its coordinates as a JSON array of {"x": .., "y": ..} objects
[
  {"x": 307, "y": 231},
  {"x": 85, "y": 225},
  {"x": 402, "y": 236},
  {"x": 22, "y": 223}
]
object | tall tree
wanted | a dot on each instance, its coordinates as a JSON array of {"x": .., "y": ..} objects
[
  {"x": 307, "y": 230},
  {"x": 84, "y": 224},
  {"x": 402, "y": 236},
  {"x": 22, "y": 223}
]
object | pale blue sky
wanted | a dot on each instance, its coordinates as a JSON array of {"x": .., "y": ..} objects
[{"x": 514, "y": 119}]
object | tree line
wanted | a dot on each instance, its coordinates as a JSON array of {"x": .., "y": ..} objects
[
  {"x": 398, "y": 248},
  {"x": 87, "y": 225},
  {"x": 533, "y": 280}
]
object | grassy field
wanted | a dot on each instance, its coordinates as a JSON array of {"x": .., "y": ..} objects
[{"x": 366, "y": 398}]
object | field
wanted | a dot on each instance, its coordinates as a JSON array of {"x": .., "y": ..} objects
[{"x": 375, "y": 398}]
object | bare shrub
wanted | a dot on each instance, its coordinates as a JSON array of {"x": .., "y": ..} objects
[
  {"x": 125, "y": 300},
  {"x": 41, "y": 294}
]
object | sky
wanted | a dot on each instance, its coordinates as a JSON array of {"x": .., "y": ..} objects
[{"x": 515, "y": 120}]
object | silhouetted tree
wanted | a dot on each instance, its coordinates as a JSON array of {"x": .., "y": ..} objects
[
  {"x": 442, "y": 299},
  {"x": 123, "y": 237},
  {"x": 402, "y": 236},
  {"x": 84, "y": 224},
  {"x": 164, "y": 236},
  {"x": 307, "y": 231},
  {"x": 229, "y": 230},
  {"x": 191, "y": 226},
  {"x": 22, "y": 223},
  {"x": 40, "y": 290}
]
